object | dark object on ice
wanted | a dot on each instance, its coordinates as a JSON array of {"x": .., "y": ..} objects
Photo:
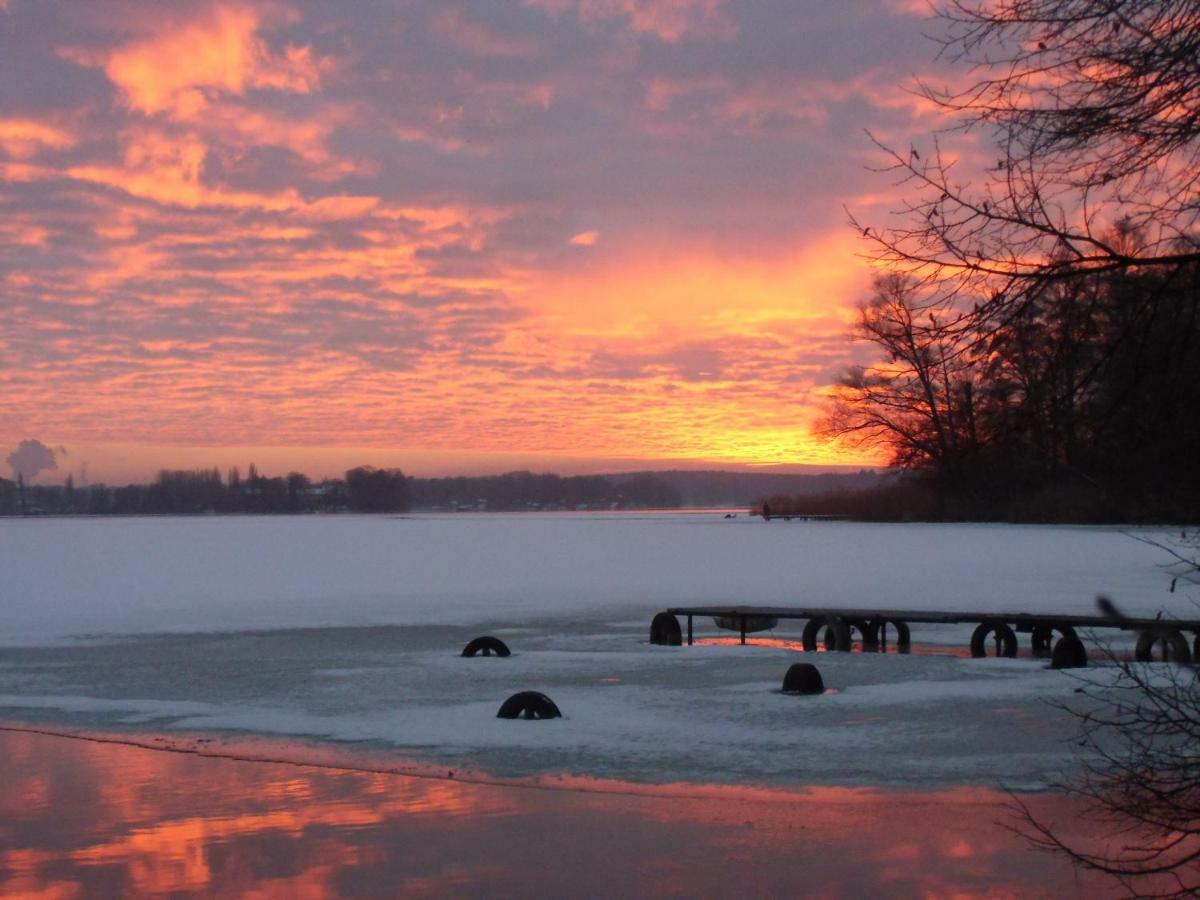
[
  {"x": 1172, "y": 644},
  {"x": 1069, "y": 653},
  {"x": 803, "y": 678},
  {"x": 875, "y": 634},
  {"x": 836, "y": 637},
  {"x": 1006, "y": 639},
  {"x": 1042, "y": 637},
  {"x": 528, "y": 705},
  {"x": 664, "y": 629},
  {"x": 487, "y": 645},
  {"x": 747, "y": 624}
]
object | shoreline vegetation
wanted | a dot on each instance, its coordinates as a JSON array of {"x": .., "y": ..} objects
[
  {"x": 367, "y": 489},
  {"x": 904, "y": 497},
  {"x": 863, "y": 496}
]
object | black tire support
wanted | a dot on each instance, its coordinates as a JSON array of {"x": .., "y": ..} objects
[
  {"x": 1173, "y": 644},
  {"x": 1042, "y": 637},
  {"x": 837, "y": 633},
  {"x": 876, "y": 635},
  {"x": 664, "y": 630},
  {"x": 1006, "y": 639}
]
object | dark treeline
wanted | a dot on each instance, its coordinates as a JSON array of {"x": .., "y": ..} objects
[
  {"x": 705, "y": 487},
  {"x": 187, "y": 491},
  {"x": 528, "y": 491},
  {"x": 364, "y": 489},
  {"x": 1078, "y": 405}
]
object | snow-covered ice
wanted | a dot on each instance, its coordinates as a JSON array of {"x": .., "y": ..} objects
[
  {"x": 348, "y": 629},
  {"x": 71, "y": 576}
]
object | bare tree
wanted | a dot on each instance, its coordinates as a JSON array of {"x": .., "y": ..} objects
[
  {"x": 1094, "y": 110},
  {"x": 921, "y": 399}
]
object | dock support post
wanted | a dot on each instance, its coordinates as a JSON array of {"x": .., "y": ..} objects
[
  {"x": 742, "y": 619},
  {"x": 689, "y": 631}
]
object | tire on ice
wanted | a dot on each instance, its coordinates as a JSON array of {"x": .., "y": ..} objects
[
  {"x": 1171, "y": 641},
  {"x": 1041, "y": 638},
  {"x": 528, "y": 705},
  {"x": 836, "y": 633},
  {"x": 1069, "y": 653},
  {"x": 664, "y": 630},
  {"x": 1005, "y": 638},
  {"x": 875, "y": 635},
  {"x": 486, "y": 645},
  {"x": 803, "y": 678}
]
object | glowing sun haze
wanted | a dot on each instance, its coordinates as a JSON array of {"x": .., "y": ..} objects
[{"x": 451, "y": 235}]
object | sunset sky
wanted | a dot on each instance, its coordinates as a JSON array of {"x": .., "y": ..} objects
[{"x": 572, "y": 235}]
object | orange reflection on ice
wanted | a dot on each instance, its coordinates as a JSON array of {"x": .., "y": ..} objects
[
  {"x": 123, "y": 820},
  {"x": 139, "y": 811},
  {"x": 797, "y": 646}
]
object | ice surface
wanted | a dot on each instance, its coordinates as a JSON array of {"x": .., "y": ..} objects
[
  {"x": 71, "y": 576},
  {"x": 631, "y": 711},
  {"x": 348, "y": 629}
]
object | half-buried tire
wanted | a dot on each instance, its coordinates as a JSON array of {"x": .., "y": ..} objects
[
  {"x": 664, "y": 629},
  {"x": 487, "y": 645},
  {"x": 803, "y": 678},
  {"x": 1069, "y": 653},
  {"x": 528, "y": 705}
]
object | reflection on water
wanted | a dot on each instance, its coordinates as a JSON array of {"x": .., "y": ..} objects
[
  {"x": 80, "y": 818},
  {"x": 797, "y": 646},
  {"x": 959, "y": 651}
]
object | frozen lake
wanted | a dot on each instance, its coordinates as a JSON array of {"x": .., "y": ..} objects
[
  {"x": 65, "y": 577},
  {"x": 345, "y": 631}
]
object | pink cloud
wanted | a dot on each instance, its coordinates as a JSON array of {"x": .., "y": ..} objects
[
  {"x": 176, "y": 70},
  {"x": 23, "y": 138}
]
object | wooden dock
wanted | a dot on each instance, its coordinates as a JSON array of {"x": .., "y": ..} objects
[{"x": 838, "y": 628}]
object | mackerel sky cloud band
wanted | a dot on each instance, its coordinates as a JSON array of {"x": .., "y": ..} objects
[{"x": 550, "y": 230}]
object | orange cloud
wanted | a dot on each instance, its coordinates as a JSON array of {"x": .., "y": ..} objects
[
  {"x": 517, "y": 232},
  {"x": 703, "y": 291},
  {"x": 241, "y": 126},
  {"x": 23, "y": 138},
  {"x": 169, "y": 169},
  {"x": 176, "y": 71}
]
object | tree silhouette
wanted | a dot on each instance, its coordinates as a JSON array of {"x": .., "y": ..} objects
[
  {"x": 1093, "y": 107},
  {"x": 377, "y": 490}
]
